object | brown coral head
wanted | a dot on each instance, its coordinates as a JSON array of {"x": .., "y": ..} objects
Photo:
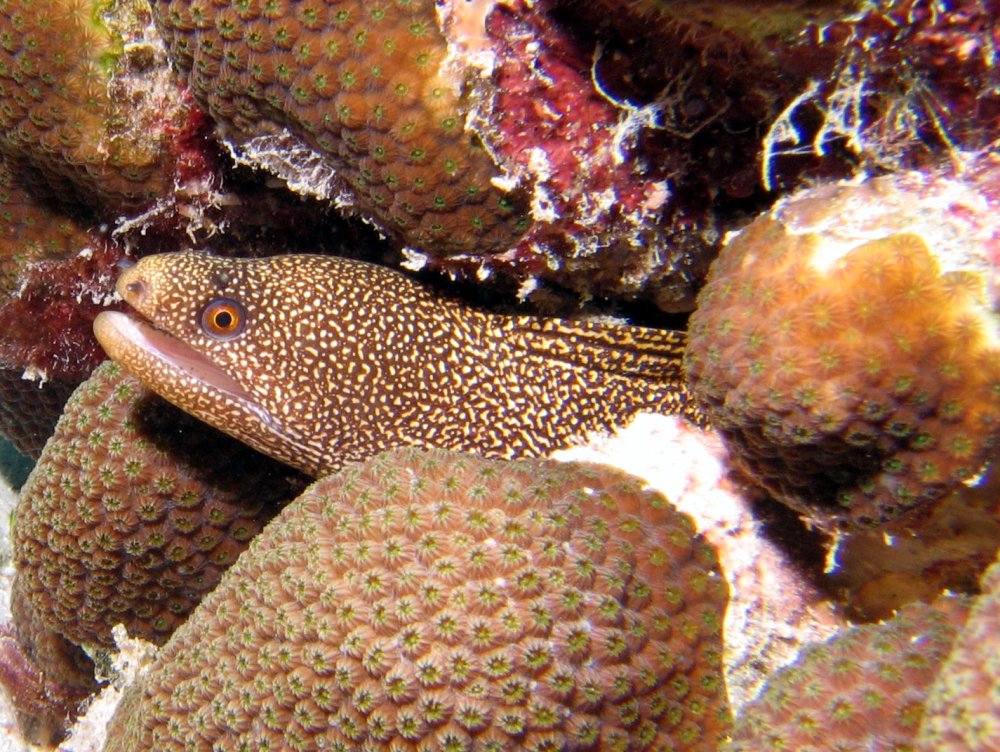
[
  {"x": 439, "y": 600},
  {"x": 854, "y": 378}
]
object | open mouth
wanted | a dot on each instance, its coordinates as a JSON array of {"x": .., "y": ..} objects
[{"x": 141, "y": 347}]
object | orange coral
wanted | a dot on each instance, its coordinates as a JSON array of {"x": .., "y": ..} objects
[
  {"x": 59, "y": 116},
  {"x": 370, "y": 87},
  {"x": 854, "y": 377}
]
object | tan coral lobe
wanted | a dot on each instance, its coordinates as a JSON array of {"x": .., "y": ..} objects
[
  {"x": 847, "y": 347},
  {"x": 132, "y": 513},
  {"x": 433, "y": 600},
  {"x": 370, "y": 88}
]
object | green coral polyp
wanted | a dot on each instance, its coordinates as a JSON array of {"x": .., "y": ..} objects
[
  {"x": 382, "y": 90},
  {"x": 489, "y": 660},
  {"x": 846, "y": 396}
]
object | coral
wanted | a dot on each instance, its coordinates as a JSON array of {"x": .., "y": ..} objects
[
  {"x": 369, "y": 88},
  {"x": 863, "y": 689},
  {"x": 945, "y": 545},
  {"x": 962, "y": 709},
  {"x": 62, "y": 117},
  {"x": 45, "y": 677},
  {"x": 133, "y": 511},
  {"x": 443, "y": 601},
  {"x": 845, "y": 343}
]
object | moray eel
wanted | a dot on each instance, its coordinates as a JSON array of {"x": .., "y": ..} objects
[{"x": 317, "y": 361}]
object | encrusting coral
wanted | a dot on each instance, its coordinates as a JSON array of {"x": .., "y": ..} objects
[
  {"x": 130, "y": 516},
  {"x": 370, "y": 88},
  {"x": 440, "y": 600},
  {"x": 962, "y": 710},
  {"x": 846, "y": 347},
  {"x": 863, "y": 689}
]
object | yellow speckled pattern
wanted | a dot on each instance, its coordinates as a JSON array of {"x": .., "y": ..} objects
[
  {"x": 366, "y": 84},
  {"x": 340, "y": 360}
]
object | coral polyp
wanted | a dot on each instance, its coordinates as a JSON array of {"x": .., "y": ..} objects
[
  {"x": 961, "y": 707},
  {"x": 845, "y": 344},
  {"x": 369, "y": 88},
  {"x": 866, "y": 688},
  {"x": 60, "y": 120},
  {"x": 435, "y": 600},
  {"x": 122, "y": 521}
]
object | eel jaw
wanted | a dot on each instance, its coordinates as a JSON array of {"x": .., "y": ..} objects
[{"x": 167, "y": 365}]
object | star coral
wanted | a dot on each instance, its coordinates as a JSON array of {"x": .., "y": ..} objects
[
  {"x": 440, "y": 600},
  {"x": 962, "y": 710},
  {"x": 367, "y": 86},
  {"x": 846, "y": 347},
  {"x": 863, "y": 689},
  {"x": 133, "y": 512},
  {"x": 60, "y": 119}
]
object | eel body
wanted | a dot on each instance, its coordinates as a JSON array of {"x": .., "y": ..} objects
[{"x": 317, "y": 361}]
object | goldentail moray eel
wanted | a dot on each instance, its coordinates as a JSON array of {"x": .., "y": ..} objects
[{"x": 317, "y": 361}]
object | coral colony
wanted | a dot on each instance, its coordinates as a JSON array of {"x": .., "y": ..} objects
[{"x": 797, "y": 200}]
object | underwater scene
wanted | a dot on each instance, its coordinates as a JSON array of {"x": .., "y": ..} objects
[{"x": 499, "y": 375}]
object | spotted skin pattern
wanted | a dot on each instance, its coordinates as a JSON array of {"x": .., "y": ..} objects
[{"x": 338, "y": 360}]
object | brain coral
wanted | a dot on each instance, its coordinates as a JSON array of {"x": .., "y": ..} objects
[
  {"x": 369, "y": 86},
  {"x": 963, "y": 711},
  {"x": 133, "y": 511},
  {"x": 845, "y": 344},
  {"x": 60, "y": 114},
  {"x": 441, "y": 601},
  {"x": 861, "y": 690}
]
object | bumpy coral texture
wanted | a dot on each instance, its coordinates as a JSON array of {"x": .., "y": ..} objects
[
  {"x": 963, "y": 709},
  {"x": 861, "y": 690},
  {"x": 364, "y": 83},
  {"x": 58, "y": 115},
  {"x": 853, "y": 392},
  {"x": 441, "y": 601},
  {"x": 133, "y": 512}
]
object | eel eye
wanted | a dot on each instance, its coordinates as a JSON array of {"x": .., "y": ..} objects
[{"x": 223, "y": 318}]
